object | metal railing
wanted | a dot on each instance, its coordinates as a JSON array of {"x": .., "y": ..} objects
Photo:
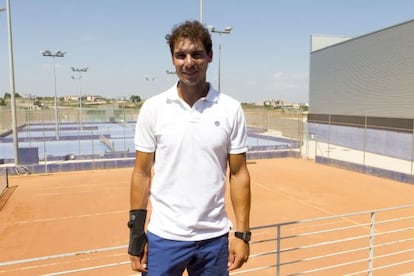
[{"x": 358, "y": 243}]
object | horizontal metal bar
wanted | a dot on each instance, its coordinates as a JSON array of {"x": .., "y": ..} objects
[{"x": 332, "y": 217}]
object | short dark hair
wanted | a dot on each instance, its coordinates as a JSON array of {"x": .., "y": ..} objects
[{"x": 193, "y": 30}]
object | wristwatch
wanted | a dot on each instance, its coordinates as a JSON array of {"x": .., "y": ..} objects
[{"x": 243, "y": 235}]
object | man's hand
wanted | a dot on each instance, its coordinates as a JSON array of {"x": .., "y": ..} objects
[
  {"x": 138, "y": 245},
  {"x": 139, "y": 263},
  {"x": 238, "y": 253}
]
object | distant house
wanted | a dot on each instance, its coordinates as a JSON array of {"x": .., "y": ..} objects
[
  {"x": 85, "y": 98},
  {"x": 94, "y": 98},
  {"x": 71, "y": 98},
  {"x": 281, "y": 104}
]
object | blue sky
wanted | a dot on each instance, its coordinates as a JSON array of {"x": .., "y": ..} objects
[{"x": 122, "y": 42}]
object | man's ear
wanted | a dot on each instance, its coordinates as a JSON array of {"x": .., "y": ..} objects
[{"x": 211, "y": 55}]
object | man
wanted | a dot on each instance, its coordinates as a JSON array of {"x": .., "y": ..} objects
[{"x": 190, "y": 134}]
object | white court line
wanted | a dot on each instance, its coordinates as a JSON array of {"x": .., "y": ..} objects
[
  {"x": 75, "y": 189},
  {"x": 64, "y": 193},
  {"x": 71, "y": 254},
  {"x": 60, "y": 263},
  {"x": 67, "y": 217},
  {"x": 304, "y": 202},
  {"x": 88, "y": 268}
]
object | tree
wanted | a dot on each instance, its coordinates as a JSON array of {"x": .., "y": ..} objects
[
  {"x": 37, "y": 102},
  {"x": 8, "y": 95},
  {"x": 135, "y": 99}
]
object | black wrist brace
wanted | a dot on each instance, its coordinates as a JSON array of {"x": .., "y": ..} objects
[{"x": 137, "y": 237}]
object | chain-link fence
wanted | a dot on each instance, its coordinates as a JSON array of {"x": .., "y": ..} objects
[
  {"x": 66, "y": 115},
  {"x": 277, "y": 122},
  {"x": 385, "y": 151},
  {"x": 361, "y": 147},
  {"x": 380, "y": 150},
  {"x": 106, "y": 133},
  {"x": 287, "y": 124}
]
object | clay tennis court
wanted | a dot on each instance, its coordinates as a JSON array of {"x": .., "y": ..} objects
[{"x": 75, "y": 222}]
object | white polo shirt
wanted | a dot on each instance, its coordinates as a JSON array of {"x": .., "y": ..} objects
[{"x": 191, "y": 145}]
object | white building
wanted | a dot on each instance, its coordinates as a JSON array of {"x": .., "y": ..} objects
[
  {"x": 361, "y": 91},
  {"x": 364, "y": 80}
]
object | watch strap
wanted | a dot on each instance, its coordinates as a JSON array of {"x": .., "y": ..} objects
[{"x": 245, "y": 236}]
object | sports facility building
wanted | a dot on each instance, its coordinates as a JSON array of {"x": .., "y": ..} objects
[{"x": 361, "y": 90}]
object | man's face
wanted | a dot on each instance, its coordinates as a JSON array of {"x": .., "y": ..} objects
[{"x": 191, "y": 61}]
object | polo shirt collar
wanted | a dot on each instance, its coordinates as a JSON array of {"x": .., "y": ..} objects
[{"x": 212, "y": 95}]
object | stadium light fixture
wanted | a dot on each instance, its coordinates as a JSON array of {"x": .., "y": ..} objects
[
  {"x": 48, "y": 53},
  {"x": 80, "y": 71},
  {"x": 226, "y": 30}
]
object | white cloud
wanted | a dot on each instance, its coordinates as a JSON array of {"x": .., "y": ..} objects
[
  {"x": 284, "y": 81},
  {"x": 288, "y": 86}
]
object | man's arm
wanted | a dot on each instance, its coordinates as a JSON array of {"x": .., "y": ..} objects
[
  {"x": 139, "y": 197},
  {"x": 240, "y": 197},
  {"x": 141, "y": 180}
]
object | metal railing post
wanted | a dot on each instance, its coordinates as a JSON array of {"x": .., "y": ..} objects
[
  {"x": 278, "y": 250},
  {"x": 371, "y": 244}
]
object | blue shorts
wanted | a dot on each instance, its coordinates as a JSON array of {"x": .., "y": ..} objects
[{"x": 171, "y": 258}]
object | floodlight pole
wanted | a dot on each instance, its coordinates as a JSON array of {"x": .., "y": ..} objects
[
  {"x": 227, "y": 30},
  {"x": 201, "y": 11},
  {"x": 48, "y": 53},
  {"x": 80, "y": 70},
  {"x": 12, "y": 87}
]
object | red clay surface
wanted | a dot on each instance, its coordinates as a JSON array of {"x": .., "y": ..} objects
[{"x": 86, "y": 212}]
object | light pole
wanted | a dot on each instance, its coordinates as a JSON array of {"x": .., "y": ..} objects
[
  {"x": 226, "y": 30},
  {"x": 79, "y": 70},
  {"x": 48, "y": 53},
  {"x": 201, "y": 11},
  {"x": 12, "y": 86}
]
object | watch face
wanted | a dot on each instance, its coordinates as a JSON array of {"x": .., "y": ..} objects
[{"x": 243, "y": 235}]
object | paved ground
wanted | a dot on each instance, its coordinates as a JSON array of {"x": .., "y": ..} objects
[
  {"x": 75, "y": 223},
  {"x": 312, "y": 148}
]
